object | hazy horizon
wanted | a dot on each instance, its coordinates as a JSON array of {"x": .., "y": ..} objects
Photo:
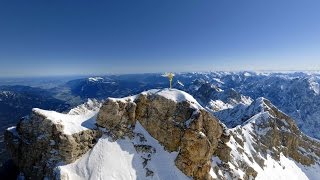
[{"x": 141, "y": 73}]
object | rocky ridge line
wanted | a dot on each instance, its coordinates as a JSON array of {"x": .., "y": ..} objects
[{"x": 178, "y": 126}]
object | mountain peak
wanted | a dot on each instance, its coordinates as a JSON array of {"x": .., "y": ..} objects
[
  {"x": 261, "y": 104},
  {"x": 172, "y": 117},
  {"x": 135, "y": 137},
  {"x": 269, "y": 141},
  {"x": 174, "y": 95}
]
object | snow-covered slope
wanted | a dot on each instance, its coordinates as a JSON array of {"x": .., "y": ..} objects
[
  {"x": 237, "y": 115},
  {"x": 266, "y": 165},
  {"x": 269, "y": 145},
  {"x": 218, "y": 99},
  {"x": 139, "y": 158},
  {"x": 256, "y": 116},
  {"x": 78, "y": 119},
  {"x": 167, "y": 134}
]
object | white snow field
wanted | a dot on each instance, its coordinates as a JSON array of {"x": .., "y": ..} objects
[{"x": 119, "y": 160}]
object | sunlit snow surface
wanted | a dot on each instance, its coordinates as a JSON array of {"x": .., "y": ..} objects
[
  {"x": 172, "y": 94},
  {"x": 284, "y": 169},
  {"x": 78, "y": 119},
  {"x": 175, "y": 95},
  {"x": 119, "y": 160}
]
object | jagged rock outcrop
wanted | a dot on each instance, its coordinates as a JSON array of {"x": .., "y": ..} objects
[
  {"x": 198, "y": 144},
  {"x": 163, "y": 118},
  {"x": 268, "y": 135},
  {"x": 177, "y": 125},
  {"x": 284, "y": 136},
  {"x": 120, "y": 116},
  {"x": 38, "y": 144}
]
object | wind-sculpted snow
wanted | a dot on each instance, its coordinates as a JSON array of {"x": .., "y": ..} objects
[{"x": 78, "y": 119}]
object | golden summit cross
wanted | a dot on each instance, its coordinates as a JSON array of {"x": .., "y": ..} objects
[{"x": 170, "y": 77}]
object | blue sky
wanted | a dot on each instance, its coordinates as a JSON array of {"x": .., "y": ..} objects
[{"x": 65, "y": 37}]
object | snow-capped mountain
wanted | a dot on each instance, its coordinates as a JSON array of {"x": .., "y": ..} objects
[
  {"x": 218, "y": 99},
  {"x": 268, "y": 145},
  {"x": 239, "y": 114},
  {"x": 162, "y": 134},
  {"x": 295, "y": 93},
  {"x": 297, "y": 97}
]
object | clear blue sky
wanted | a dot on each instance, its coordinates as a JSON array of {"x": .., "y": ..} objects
[{"x": 64, "y": 37}]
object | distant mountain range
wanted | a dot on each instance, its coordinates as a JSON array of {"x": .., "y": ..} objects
[{"x": 226, "y": 94}]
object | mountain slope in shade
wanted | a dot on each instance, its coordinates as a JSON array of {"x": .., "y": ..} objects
[{"x": 163, "y": 134}]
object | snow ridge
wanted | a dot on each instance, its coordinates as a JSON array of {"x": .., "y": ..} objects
[{"x": 78, "y": 119}]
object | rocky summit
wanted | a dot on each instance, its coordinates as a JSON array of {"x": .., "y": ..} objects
[{"x": 162, "y": 134}]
